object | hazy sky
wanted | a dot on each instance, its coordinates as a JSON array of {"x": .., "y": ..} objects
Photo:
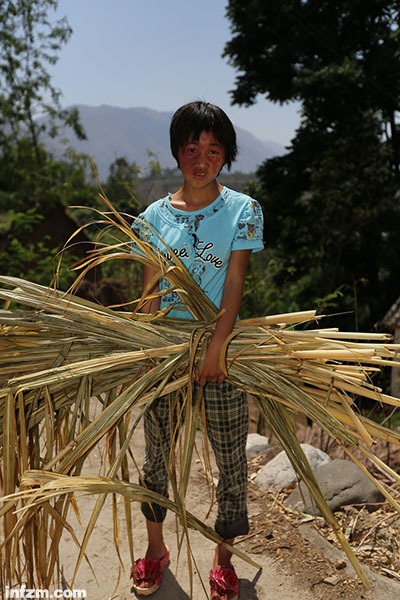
[{"x": 159, "y": 54}]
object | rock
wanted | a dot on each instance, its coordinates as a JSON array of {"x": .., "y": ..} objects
[
  {"x": 256, "y": 444},
  {"x": 342, "y": 482},
  {"x": 278, "y": 473}
]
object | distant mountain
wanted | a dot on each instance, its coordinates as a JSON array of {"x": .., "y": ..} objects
[{"x": 133, "y": 132}]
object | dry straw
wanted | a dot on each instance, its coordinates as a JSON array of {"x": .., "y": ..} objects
[{"x": 60, "y": 355}]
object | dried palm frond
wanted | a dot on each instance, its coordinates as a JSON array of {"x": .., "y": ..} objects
[{"x": 73, "y": 373}]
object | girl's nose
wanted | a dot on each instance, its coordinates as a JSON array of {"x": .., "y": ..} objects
[{"x": 202, "y": 158}]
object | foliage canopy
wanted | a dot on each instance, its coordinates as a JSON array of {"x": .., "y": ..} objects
[
  {"x": 34, "y": 188},
  {"x": 332, "y": 203}
]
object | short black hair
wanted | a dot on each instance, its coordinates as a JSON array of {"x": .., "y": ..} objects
[{"x": 190, "y": 120}]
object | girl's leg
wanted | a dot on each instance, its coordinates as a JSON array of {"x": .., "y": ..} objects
[
  {"x": 156, "y": 548},
  {"x": 227, "y": 428},
  {"x": 157, "y": 434},
  {"x": 222, "y": 555}
]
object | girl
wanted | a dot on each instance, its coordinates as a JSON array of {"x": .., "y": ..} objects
[{"x": 213, "y": 230}]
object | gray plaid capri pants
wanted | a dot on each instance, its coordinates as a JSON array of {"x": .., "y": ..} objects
[{"x": 227, "y": 427}]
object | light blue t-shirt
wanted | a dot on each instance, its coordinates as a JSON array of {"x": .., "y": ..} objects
[{"x": 203, "y": 240}]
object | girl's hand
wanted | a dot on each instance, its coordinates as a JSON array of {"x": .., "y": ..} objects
[{"x": 211, "y": 370}]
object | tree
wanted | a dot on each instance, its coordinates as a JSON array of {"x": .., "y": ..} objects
[
  {"x": 339, "y": 58},
  {"x": 29, "y": 42},
  {"x": 121, "y": 185},
  {"x": 332, "y": 203},
  {"x": 35, "y": 221},
  {"x": 34, "y": 189}
]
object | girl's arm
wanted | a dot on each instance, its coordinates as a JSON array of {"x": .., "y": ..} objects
[
  {"x": 231, "y": 300},
  {"x": 153, "y": 305}
]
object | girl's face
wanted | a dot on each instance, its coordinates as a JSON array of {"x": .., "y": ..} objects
[{"x": 201, "y": 161}]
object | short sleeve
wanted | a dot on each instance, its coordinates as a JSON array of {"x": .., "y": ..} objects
[
  {"x": 250, "y": 228},
  {"x": 142, "y": 231}
]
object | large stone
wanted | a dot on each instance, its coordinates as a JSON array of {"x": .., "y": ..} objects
[
  {"x": 342, "y": 482},
  {"x": 256, "y": 444},
  {"x": 278, "y": 473}
]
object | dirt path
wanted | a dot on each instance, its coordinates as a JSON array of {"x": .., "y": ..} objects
[{"x": 295, "y": 569}]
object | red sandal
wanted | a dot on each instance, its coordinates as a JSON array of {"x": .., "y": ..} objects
[
  {"x": 224, "y": 583},
  {"x": 149, "y": 570}
]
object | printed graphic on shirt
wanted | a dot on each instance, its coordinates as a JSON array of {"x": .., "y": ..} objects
[{"x": 202, "y": 258}]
